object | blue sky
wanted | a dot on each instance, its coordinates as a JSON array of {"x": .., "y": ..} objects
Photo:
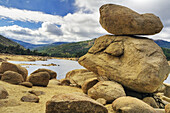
[{"x": 48, "y": 21}]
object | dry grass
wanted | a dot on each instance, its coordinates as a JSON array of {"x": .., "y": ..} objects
[{"x": 13, "y": 104}]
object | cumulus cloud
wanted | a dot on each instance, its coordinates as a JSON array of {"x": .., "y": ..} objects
[
  {"x": 30, "y": 16},
  {"x": 81, "y": 25}
]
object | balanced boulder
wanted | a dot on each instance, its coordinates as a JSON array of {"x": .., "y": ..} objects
[
  {"x": 79, "y": 76},
  {"x": 73, "y": 103},
  {"x": 52, "y": 74},
  {"x": 131, "y": 105},
  {"x": 3, "y": 93},
  {"x": 6, "y": 66},
  {"x": 120, "y": 20},
  {"x": 39, "y": 79},
  {"x": 142, "y": 66},
  {"x": 12, "y": 77},
  {"x": 109, "y": 90}
]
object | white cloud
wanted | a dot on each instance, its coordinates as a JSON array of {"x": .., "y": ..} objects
[
  {"x": 31, "y": 16},
  {"x": 81, "y": 25}
]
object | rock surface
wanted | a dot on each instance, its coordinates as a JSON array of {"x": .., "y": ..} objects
[
  {"x": 6, "y": 66},
  {"x": 52, "y": 74},
  {"x": 109, "y": 90},
  {"x": 26, "y": 84},
  {"x": 142, "y": 66},
  {"x": 131, "y": 105},
  {"x": 65, "y": 82},
  {"x": 167, "y": 90},
  {"x": 12, "y": 77},
  {"x": 151, "y": 101},
  {"x": 39, "y": 79},
  {"x": 79, "y": 76},
  {"x": 89, "y": 83},
  {"x": 73, "y": 103},
  {"x": 101, "y": 101},
  {"x": 3, "y": 93},
  {"x": 167, "y": 108},
  {"x": 30, "y": 98},
  {"x": 120, "y": 20},
  {"x": 36, "y": 93}
]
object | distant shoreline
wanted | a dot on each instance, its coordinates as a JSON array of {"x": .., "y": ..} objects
[{"x": 13, "y": 57}]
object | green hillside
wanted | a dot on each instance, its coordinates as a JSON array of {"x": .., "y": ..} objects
[
  {"x": 75, "y": 49},
  {"x": 7, "y": 42}
]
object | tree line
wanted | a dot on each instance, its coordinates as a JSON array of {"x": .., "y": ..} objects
[{"x": 19, "y": 51}]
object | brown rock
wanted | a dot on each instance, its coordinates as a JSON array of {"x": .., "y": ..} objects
[
  {"x": 65, "y": 82},
  {"x": 89, "y": 83},
  {"x": 6, "y": 66},
  {"x": 159, "y": 110},
  {"x": 37, "y": 93},
  {"x": 26, "y": 84},
  {"x": 79, "y": 76},
  {"x": 109, "y": 90},
  {"x": 101, "y": 101},
  {"x": 73, "y": 103},
  {"x": 39, "y": 79},
  {"x": 120, "y": 20},
  {"x": 131, "y": 105},
  {"x": 3, "y": 93},
  {"x": 110, "y": 108},
  {"x": 143, "y": 71},
  {"x": 54, "y": 82},
  {"x": 167, "y": 90},
  {"x": 167, "y": 108},
  {"x": 30, "y": 98},
  {"x": 151, "y": 101},
  {"x": 52, "y": 74},
  {"x": 12, "y": 77}
]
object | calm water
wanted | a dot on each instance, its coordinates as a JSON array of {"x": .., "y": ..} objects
[{"x": 64, "y": 67}]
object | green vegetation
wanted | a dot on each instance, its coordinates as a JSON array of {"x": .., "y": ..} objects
[
  {"x": 76, "y": 49},
  {"x": 7, "y": 42},
  {"x": 167, "y": 53},
  {"x": 19, "y": 51}
]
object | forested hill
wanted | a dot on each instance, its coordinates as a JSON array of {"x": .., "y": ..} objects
[
  {"x": 76, "y": 49},
  {"x": 7, "y": 42}
]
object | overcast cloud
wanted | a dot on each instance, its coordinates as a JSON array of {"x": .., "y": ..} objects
[{"x": 79, "y": 25}]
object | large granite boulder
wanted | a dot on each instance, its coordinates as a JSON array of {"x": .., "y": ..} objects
[
  {"x": 3, "y": 93},
  {"x": 12, "y": 77},
  {"x": 79, "y": 76},
  {"x": 131, "y": 105},
  {"x": 39, "y": 79},
  {"x": 109, "y": 90},
  {"x": 167, "y": 90},
  {"x": 52, "y": 74},
  {"x": 6, "y": 66},
  {"x": 73, "y": 103},
  {"x": 120, "y": 20},
  {"x": 140, "y": 63}
]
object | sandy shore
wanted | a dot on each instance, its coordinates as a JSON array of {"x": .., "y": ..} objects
[
  {"x": 10, "y": 57},
  {"x": 14, "y": 105}
]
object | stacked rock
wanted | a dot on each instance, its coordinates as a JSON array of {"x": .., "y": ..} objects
[{"x": 137, "y": 63}]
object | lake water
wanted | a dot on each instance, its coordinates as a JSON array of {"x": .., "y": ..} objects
[{"x": 63, "y": 66}]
